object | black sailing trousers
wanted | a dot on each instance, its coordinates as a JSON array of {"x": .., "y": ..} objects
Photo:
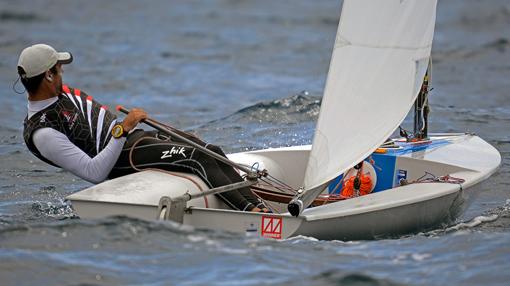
[{"x": 155, "y": 150}]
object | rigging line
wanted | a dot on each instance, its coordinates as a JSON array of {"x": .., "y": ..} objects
[
  {"x": 272, "y": 181},
  {"x": 422, "y": 111},
  {"x": 447, "y": 179},
  {"x": 274, "y": 190},
  {"x": 278, "y": 185},
  {"x": 427, "y": 81},
  {"x": 426, "y": 105},
  {"x": 265, "y": 189},
  {"x": 273, "y": 204},
  {"x": 283, "y": 190},
  {"x": 266, "y": 203},
  {"x": 272, "y": 178},
  {"x": 332, "y": 198},
  {"x": 425, "y": 175},
  {"x": 422, "y": 115},
  {"x": 281, "y": 182},
  {"x": 268, "y": 183},
  {"x": 340, "y": 183}
]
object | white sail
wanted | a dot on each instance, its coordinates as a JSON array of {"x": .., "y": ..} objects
[{"x": 380, "y": 57}]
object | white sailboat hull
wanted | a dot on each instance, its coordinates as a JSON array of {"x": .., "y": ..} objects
[{"x": 394, "y": 211}]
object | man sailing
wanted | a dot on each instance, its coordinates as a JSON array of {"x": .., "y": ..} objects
[{"x": 67, "y": 128}]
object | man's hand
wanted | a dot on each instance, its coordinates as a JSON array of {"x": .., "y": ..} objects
[{"x": 133, "y": 118}]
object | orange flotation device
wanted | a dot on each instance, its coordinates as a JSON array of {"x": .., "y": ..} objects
[
  {"x": 364, "y": 189},
  {"x": 358, "y": 185}
]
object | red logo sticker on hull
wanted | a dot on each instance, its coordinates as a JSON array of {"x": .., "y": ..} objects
[{"x": 271, "y": 227}]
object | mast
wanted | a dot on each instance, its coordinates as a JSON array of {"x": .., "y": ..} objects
[{"x": 421, "y": 108}]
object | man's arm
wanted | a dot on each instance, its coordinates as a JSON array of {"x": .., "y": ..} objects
[{"x": 57, "y": 148}]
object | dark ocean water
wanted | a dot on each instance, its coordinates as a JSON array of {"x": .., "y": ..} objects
[{"x": 245, "y": 75}]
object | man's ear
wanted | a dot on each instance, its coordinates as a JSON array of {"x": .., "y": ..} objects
[{"x": 49, "y": 76}]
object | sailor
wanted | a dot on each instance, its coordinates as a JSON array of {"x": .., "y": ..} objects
[{"x": 67, "y": 128}]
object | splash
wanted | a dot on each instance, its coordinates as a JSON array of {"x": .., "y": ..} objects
[{"x": 61, "y": 209}]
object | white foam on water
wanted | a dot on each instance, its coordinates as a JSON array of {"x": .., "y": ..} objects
[
  {"x": 399, "y": 258},
  {"x": 264, "y": 248},
  {"x": 300, "y": 238},
  {"x": 474, "y": 222},
  {"x": 420, "y": 256},
  {"x": 403, "y": 258},
  {"x": 349, "y": 242},
  {"x": 233, "y": 251},
  {"x": 196, "y": 238}
]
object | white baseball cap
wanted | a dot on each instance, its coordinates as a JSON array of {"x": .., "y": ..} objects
[{"x": 39, "y": 58}]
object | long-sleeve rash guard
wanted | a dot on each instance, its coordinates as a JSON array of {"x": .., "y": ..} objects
[{"x": 56, "y": 147}]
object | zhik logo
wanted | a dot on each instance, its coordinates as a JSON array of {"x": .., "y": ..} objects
[{"x": 173, "y": 151}]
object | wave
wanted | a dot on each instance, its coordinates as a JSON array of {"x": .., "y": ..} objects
[
  {"x": 293, "y": 109},
  {"x": 18, "y": 17},
  {"x": 497, "y": 219},
  {"x": 107, "y": 232},
  {"x": 288, "y": 121},
  {"x": 117, "y": 224},
  {"x": 473, "y": 222},
  {"x": 338, "y": 277},
  {"x": 481, "y": 15},
  {"x": 500, "y": 45}
]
